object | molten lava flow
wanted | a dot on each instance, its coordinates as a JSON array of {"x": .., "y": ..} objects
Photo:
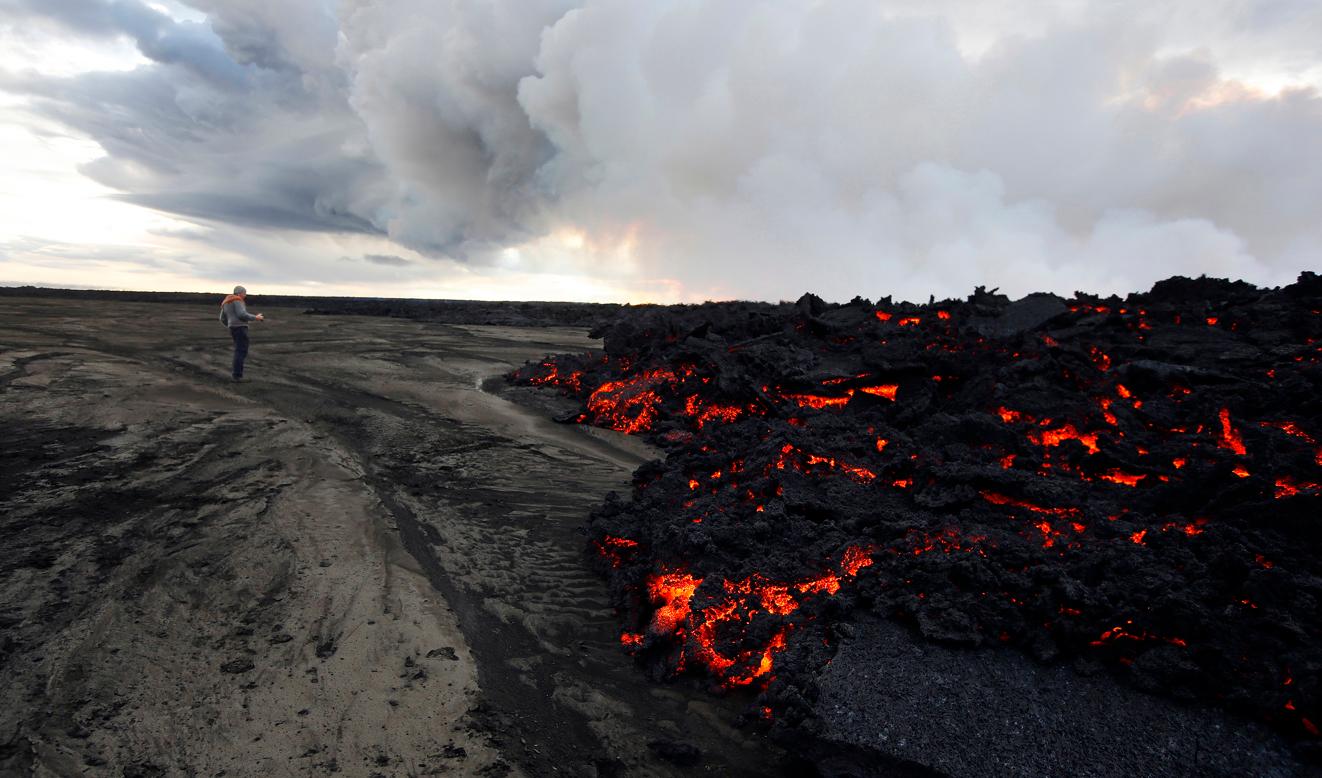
[
  {"x": 1125, "y": 632},
  {"x": 1230, "y": 439},
  {"x": 703, "y": 412},
  {"x": 1001, "y": 499},
  {"x": 826, "y": 582},
  {"x": 764, "y": 664},
  {"x": 820, "y": 401},
  {"x": 1105, "y": 404},
  {"x": 704, "y": 635},
  {"x": 861, "y": 474},
  {"x": 794, "y": 459},
  {"x": 1289, "y": 487},
  {"x": 842, "y": 379},
  {"x": 947, "y": 541},
  {"x": 1292, "y": 429},
  {"x": 776, "y": 599},
  {"x": 1120, "y": 477},
  {"x": 1049, "y": 533},
  {"x": 817, "y": 401},
  {"x": 854, "y": 559},
  {"x": 1054, "y": 437},
  {"x": 554, "y": 376},
  {"x": 629, "y": 405},
  {"x": 883, "y": 390},
  {"x": 1192, "y": 529},
  {"x": 703, "y": 631},
  {"x": 1008, "y": 416},
  {"x": 672, "y": 591},
  {"x": 1154, "y": 490},
  {"x": 614, "y": 549}
]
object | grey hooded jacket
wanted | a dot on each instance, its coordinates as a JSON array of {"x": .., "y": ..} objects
[{"x": 235, "y": 314}]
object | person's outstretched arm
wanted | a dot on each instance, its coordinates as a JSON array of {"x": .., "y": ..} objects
[{"x": 241, "y": 310}]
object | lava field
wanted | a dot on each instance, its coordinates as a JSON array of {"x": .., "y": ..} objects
[{"x": 1128, "y": 483}]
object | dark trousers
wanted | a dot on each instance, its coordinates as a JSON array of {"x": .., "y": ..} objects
[{"x": 240, "y": 335}]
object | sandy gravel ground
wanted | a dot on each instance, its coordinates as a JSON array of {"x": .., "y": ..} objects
[
  {"x": 197, "y": 583},
  {"x": 359, "y": 563}
]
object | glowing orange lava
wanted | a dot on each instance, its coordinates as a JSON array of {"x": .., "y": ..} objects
[
  {"x": 1230, "y": 438},
  {"x": 818, "y": 401},
  {"x": 1120, "y": 477},
  {"x": 1054, "y": 437},
  {"x": 883, "y": 390},
  {"x": 1001, "y": 499},
  {"x": 673, "y": 591}
]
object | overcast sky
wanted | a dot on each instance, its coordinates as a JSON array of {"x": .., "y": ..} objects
[{"x": 658, "y": 151}]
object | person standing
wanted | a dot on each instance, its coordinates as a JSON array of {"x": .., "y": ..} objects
[{"x": 234, "y": 314}]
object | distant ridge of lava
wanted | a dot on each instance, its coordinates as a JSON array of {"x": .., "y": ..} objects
[{"x": 1135, "y": 483}]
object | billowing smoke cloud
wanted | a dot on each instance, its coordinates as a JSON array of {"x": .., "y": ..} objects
[
  {"x": 742, "y": 149},
  {"x": 838, "y": 146}
]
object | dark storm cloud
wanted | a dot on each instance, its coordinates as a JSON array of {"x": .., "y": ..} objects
[
  {"x": 157, "y": 36},
  {"x": 755, "y": 149},
  {"x": 212, "y": 154},
  {"x": 256, "y": 139},
  {"x": 257, "y": 209},
  {"x": 91, "y": 17},
  {"x": 389, "y": 260}
]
